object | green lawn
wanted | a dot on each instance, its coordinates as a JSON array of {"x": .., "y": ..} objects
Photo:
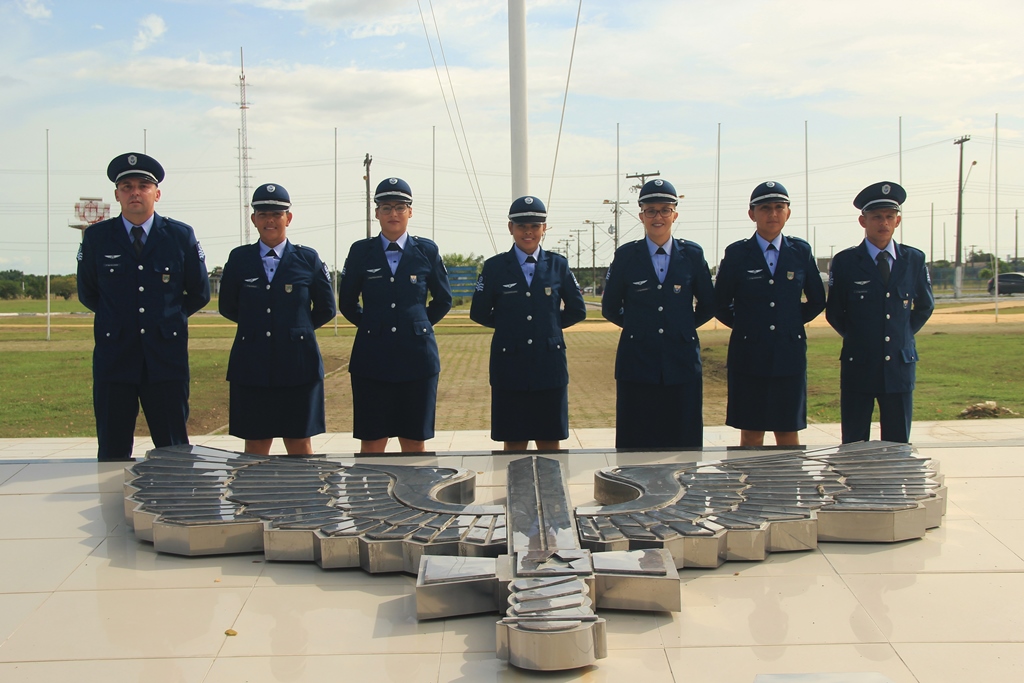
[{"x": 47, "y": 385}]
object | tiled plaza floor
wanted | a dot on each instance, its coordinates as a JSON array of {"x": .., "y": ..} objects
[{"x": 82, "y": 600}]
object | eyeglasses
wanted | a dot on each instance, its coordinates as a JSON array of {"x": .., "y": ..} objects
[
  {"x": 400, "y": 209},
  {"x": 664, "y": 213}
]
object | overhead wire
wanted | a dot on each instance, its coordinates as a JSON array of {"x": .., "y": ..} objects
[
  {"x": 565, "y": 99},
  {"x": 475, "y": 189}
]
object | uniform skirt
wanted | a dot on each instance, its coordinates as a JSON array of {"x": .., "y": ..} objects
[
  {"x": 659, "y": 415},
  {"x": 541, "y": 415},
  {"x": 294, "y": 412},
  {"x": 767, "y": 404},
  {"x": 384, "y": 409}
]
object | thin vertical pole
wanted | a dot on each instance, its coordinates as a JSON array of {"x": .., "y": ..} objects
[
  {"x": 807, "y": 192},
  {"x": 433, "y": 180},
  {"x": 334, "y": 275},
  {"x": 995, "y": 283},
  {"x": 901, "y": 150},
  {"x": 241, "y": 194},
  {"x": 931, "y": 249},
  {"x": 718, "y": 184},
  {"x": 47, "y": 234},
  {"x": 145, "y": 141},
  {"x": 617, "y": 181}
]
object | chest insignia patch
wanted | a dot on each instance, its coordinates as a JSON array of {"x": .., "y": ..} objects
[
  {"x": 789, "y": 274},
  {"x": 166, "y": 278},
  {"x": 412, "y": 279},
  {"x": 677, "y": 288},
  {"x": 547, "y": 291},
  {"x": 372, "y": 270},
  {"x": 861, "y": 283},
  {"x": 112, "y": 256},
  {"x": 755, "y": 272},
  {"x": 251, "y": 279},
  {"x": 288, "y": 289},
  {"x": 639, "y": 282},
  {"x": 509, "y": 285}
]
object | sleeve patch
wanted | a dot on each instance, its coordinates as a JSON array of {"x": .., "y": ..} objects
[
  {"x": 79, "y": 256},
  {"x": 480, "y": 283},
  {"x": 199, "y": 250}
]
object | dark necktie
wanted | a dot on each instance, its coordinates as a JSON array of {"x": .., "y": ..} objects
[
  {"x": 394, "y": 247},
  {"x": 137, "y": 234},
  {"x": 770, "y": 256},
  {"x": 272, "y": 254},
  {"x": 883, "y": 266},
  {"x": 661, "y": 250},
  {"x": 530, "y": 259}
]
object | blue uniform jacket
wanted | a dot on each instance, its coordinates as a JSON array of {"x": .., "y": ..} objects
[
  {"x": 659, "y": 321},
  {"x": 141, "y": 303},
  {"x": 395, "y": 337},
  {"x": 878, "y": 323},
  {"x": 275, "y": 344},
  {"x": 527, "y": 349},
  {"x": 765, "y": 311}
]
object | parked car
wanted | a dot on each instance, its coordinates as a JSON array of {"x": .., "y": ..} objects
[{"x": 1009, "y": 283}]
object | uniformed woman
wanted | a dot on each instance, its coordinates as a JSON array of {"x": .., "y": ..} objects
[
  {"x": 278, "y": 293},
  {"x": 659, "y": 292},
  {"x": 394, "y": 364},
  {"x": 521, "y": 295},
  {"x": 760, "y": 293}
]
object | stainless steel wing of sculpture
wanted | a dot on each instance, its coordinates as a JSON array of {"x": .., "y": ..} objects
[{"x": 545, "y": 567}]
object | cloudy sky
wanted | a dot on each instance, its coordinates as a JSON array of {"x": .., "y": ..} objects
[{"x": 108, "y": 77}]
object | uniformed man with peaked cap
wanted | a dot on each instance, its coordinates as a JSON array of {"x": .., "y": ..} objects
[
  {"x": 278, "y": 292},
  {"x": 767, "y": 288},
  {"x": 395, "y": 363},
  {"x": 659, "y": 292},
  {"x": 880, "y": 296},
  {"x": 528, "y": 295},
  {"x": 143, "y": 275}
]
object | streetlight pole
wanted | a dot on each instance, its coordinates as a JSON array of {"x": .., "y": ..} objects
[
  {"x": 958, "y": 270},
  {"x": 593, "y": 250}
]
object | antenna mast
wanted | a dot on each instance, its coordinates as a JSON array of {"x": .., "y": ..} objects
[{"x": 243, "y": 181}]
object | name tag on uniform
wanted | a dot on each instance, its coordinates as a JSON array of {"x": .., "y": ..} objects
[
  {"x": 288, "y": 289},
  {"x": 412, "y": 279}
]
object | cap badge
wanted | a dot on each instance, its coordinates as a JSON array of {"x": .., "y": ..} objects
[
  {"x": 659, "y": 183},
  {"x": 769, "y": 184},
  {"x": 393, "y": 181},
  {"x": 132, "y": 160},
  {"x": 528, "y": 200},
  {"x": 271, "y": 188},
  {"x": 886, "y": 189}
]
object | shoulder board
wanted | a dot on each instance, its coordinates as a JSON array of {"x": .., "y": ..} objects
[{"x": 798, "y": 240}]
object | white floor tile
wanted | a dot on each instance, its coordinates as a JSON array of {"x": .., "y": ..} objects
[
  {"x": 958, "y": 662},
  {"x": 41, "y": 564},
  {"x": 126, "y": 624},
  {"x": 389, "y": 668},
  {"x": 179, "y": 670}
]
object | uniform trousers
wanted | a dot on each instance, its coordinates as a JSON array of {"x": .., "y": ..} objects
[
  {"x": 116, "y": 404},
  {"x": 659, "y": 416},
  {"x": 384, "y": 409},
  {"x": 895, "y": 412}
]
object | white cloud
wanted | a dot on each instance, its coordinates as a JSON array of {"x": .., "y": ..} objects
[
  {"x": 35, "y": 9},
  {"x": 151, "y": 27}
]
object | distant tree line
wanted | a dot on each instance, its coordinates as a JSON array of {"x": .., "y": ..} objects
[{"x": 15, "y": 284}]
